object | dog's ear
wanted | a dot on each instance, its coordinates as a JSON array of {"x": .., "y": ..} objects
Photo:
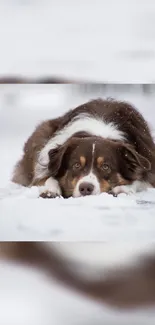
[
  {"x": 56, "y": 156},
  {"x": 55, "y": 159},
  {"x": 131, "y": 162}
]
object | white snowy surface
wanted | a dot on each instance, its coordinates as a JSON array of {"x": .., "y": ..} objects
[
  {"x": 24, "y": 216},
  {"x": 102, "y": 40},
  {"x": 28, "y": 298}
]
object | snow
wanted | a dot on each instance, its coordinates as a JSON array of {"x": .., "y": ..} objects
[
  {"x": 98, "y": 218},
  {"x": 102, "y": 41}
]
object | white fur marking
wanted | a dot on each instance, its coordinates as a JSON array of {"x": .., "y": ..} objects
[
  {"x": 83, "y": 122},
  {"x": 136, "y": 186},
  {"x": 90, "y": 178},
  {"x": 93, "y": 149},
  {"x": 51, "y": 186}
]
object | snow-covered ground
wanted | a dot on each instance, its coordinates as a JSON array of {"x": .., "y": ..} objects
[
  {"x": 25, "y": 217},
  {"x": 102, "y": 40}
]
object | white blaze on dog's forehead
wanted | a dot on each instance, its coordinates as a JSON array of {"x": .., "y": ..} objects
[
  {"x": 90, "y": 178},
  {"x": 93, "y": 149},
  {"x": 82, "y": 123}
]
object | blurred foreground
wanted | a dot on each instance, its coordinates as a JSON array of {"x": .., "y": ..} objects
[{"x": 27, "y": 297}]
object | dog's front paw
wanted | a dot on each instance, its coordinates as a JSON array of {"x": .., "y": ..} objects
[
  {"x": 125, "y": 189},
  {"x": 50, "y": 190},
  {"x": 48, "y": 195},
  {"x": 112, "y": 193}
]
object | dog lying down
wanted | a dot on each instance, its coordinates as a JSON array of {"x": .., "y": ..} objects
[
  {"x": 127, "y": 287},
  {"x": 100, "y": 146}
]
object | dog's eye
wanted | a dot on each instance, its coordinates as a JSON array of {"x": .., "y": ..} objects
[
  {"x": 76, "y": 166},
  {"x": 105, "y": 167}
]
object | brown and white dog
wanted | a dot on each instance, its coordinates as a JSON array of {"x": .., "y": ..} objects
[
  {"x": 131, "y": 286},
  {"x": 100, "y": 146}
]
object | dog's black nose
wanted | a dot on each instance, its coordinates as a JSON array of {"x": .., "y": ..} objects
[{"x": 86, "y": 189}]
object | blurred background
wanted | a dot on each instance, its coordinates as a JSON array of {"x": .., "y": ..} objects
[{"x": 82, "y": 41}]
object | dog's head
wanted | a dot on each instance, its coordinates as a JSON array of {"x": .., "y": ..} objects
[{"x": 92, "y": 165}]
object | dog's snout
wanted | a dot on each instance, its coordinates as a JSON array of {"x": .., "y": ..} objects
[{"x": 86, "y": 189}]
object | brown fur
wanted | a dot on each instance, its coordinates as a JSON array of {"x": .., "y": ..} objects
[
  {"x": 127, "y": 287},
  {"x": 83, "y": 161},
  {"x": 100, "y": 161},
  {"x": 44, "y": 80},
  {"x": 121, "y": 180},
  {"x": 105, "y": 186},
  {"x": 24, "y": 170}
]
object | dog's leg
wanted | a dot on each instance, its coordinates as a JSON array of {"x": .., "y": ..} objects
[
  {"x": 136, "y": 186},
  {"x": 48, "y": 187}
]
